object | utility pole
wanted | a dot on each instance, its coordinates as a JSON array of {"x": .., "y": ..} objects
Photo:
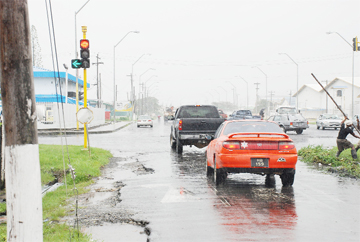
[
  {"x": 271, "y": 95},
  {"x": 22, "y": 166},
  {"x": 97, "y": 79},
  {"x": 326, "y": 96},
  {"x": 100, "y": 90},
  {"x": 257, "y": 96}
]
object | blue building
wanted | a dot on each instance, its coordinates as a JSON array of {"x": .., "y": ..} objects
[{"x": 47, "y": 92}]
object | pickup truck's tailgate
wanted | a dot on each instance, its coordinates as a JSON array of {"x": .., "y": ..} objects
[{"x": 198, "y": 124}]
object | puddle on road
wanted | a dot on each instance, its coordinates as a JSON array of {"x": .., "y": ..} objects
[{"x": 116, "y": 232}]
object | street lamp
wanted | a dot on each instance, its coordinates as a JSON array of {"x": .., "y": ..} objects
[
  {"x": 225, "y": 92},
  {"x": 140, "y": 87},
  {"x": 234, "y": 93},
  {"x": 217, "y": 93},
  {"x": 266, "y": 106},
  {"x": 136, "y": 32},
  {"x": 132, "y": 93},
  {"x": 297, "y": 80},
  {"x": 247, "y": 92},
  {"x": 147, "y": 89},
  {"x": 352, "y": 77},
  {"x": 66, "y": 83},
  {"x": 144, "y": 87}
]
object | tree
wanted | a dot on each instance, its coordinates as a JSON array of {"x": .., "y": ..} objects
[
  {"x": 151, "y": 106},
  {"x": 36, "y": 49}
]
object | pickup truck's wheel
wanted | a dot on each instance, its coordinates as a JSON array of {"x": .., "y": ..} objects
[
  {"x": 172, "y": 142},
  {"x": 179, "y": 146},
  {"x": 299, "y": 131},
  {"x": 287, "y": 179}
]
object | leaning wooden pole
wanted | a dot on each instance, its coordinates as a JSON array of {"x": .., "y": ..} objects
[
  {"x": 22, "y": 167},
  {"x": 333, "y": 101}
]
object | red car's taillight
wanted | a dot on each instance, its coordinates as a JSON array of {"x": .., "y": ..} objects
[
  {"x": 231, "y": 145},
  {"x": 286, "y": 145},
  {"x": 180, "y": 124},
  {"x": 291, "y": 123},
  {"x": 149, "y": 120}
]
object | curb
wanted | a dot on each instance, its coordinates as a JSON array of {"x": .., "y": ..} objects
[{"x": 74, "y": 132}]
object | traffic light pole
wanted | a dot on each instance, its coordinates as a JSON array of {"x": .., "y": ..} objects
[{"x": 84, "y": 30}]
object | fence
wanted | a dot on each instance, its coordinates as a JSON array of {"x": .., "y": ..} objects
[{"x": 69, "y": 114}]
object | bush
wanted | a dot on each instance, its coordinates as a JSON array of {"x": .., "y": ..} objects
[{"x": 343, "y": 164}]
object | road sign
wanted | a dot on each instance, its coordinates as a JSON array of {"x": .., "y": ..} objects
[
  {"x": 85, "y": 115},
  {"x": 76, "y": 63}
]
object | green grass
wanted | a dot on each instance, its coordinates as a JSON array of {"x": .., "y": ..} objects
[
  {"x": 343, "y": 164},
  {"x": 55, "y": 203}
]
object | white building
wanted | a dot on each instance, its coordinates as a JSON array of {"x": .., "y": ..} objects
[
  {"x": 313, "y": 100},
  {"x": 60, "y": 100}
]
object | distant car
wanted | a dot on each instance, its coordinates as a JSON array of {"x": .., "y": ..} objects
[
  {"x": 290, "y": 122},
  {"x": 192, "y": 124},
  {"x": 251, "y": 146},
  {"x": 222, "y": 114},
  {"x": 144, "y": 120},
  {"x": 287, "y": 110},
  {"x": 328, "y": 121},
  {"x": 241, "y": 114}
]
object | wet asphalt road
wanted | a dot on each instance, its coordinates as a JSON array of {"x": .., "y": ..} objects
[{"x": 180, "y": 204}]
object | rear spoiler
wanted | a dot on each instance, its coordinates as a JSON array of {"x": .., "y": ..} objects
[{"x": 258, "y": 134}]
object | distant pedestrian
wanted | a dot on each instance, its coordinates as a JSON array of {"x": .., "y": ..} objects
[
  {"x": 342, "y": 142},
  {"x": 262, "y": 113}
]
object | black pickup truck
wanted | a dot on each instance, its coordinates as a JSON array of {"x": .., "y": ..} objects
[{"x": 192, "y": 124}]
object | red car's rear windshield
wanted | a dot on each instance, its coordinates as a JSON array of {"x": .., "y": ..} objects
[{"x": 253, "y": 127}]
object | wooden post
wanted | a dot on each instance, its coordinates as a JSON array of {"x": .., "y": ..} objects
[{"x": 22, "y": 167}]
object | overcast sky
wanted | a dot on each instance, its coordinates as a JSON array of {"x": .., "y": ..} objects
[{"x": 200, "y": 48}]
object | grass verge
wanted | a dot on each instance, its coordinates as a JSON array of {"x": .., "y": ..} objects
[
  {"x": 55, "y": 203},
  {"x": 343, "y": 165}
]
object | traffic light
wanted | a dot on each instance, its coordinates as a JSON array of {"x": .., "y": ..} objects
[
  {"x": 84, "y": 53},
  {"x": 355, "y": 44},
  {"x": 76, "y": 63}
]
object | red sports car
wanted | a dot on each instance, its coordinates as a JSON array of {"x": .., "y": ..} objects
[{"x": 251, "y": 146}]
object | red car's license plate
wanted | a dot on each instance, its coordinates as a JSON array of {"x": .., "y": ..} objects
[{"x": 259, "y": 162}]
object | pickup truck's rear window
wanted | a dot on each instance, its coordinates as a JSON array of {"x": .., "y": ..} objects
[
  {"x": 243, "y": 112},
  {"x": 199, "y": 112},
  {"x": 251, "y": 127}
]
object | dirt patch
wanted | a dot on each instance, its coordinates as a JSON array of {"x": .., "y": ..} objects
[
  {"x": 138, "y": 168},
  {"x": 103, "y": 203}
]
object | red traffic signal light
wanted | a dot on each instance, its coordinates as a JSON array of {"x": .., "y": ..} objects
[
  {"x": 85, "y": 53},
  {"x": 84, "y": 44}
]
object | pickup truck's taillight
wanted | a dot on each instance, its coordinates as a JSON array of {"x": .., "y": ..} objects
[
  {"x": 286, "y": 145},
  {"x": 231, "y": 145},
  {"x": 180, "y": 124}
]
